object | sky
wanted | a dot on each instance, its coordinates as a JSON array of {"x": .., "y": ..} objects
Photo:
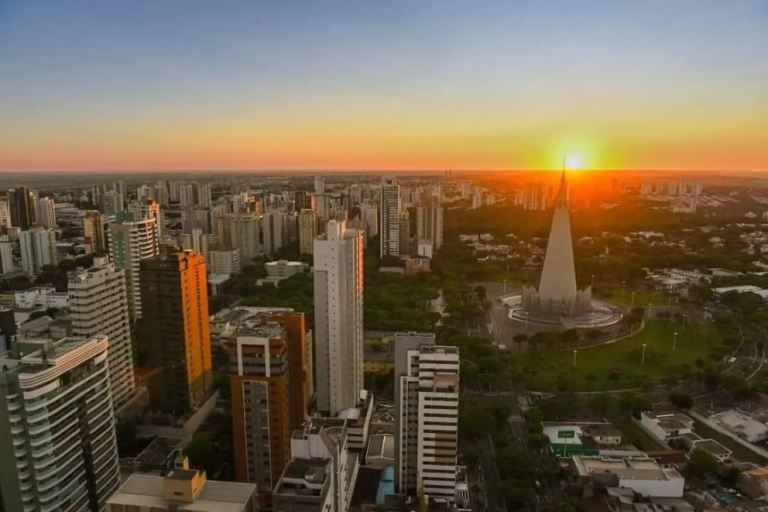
[{"x": 95, "y": 85}]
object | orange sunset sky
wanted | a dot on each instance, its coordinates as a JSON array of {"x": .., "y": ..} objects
[{"x": 489, "y": 84}]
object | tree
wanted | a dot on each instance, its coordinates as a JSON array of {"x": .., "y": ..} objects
[
  {"x": 520, "y": 339},
  {"x": 569, "y": 336},
  {"x": 701, "y": 464},
  {"x": 481, "y": 292},
  {"x": 681, "y": 400},
  {"x": 601, "y": 402},
  {"x": 500, "y": 411},
  {"x": 202, "y": 454},
  {"x": 632, "y": 403}
]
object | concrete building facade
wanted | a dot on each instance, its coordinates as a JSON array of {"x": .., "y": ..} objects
[
  {"x": 338, "y": 277},
  {"x": 57, "y": 427},
  {"x": 427, "y": 410},
  {"x": 175, "y": 330},
  {"x": 98, "y": 304}
]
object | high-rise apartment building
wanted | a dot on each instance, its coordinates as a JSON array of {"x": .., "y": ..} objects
[
  {"x": 534, "y": 196},
  {"x": 370, "y": 214},
  {"x": 57, "y": 428},
  {"x": 338, "y": 276},
  {"x": 130, "y": 242},
  {"x": 260, "y": 383},
  {"x": 429, "y": 222},
  {"x": 20, "y": 208},
  {"x": 149, "y": 209},
  {"x": 5, "y": 214},
  {"x": 404, "y": 233},
  {"x": 272, "y": 228},
  {"x": 390, "y": 218},
  {"x": 319, "y": 185},
  {"x": 427, "y": 416},
  {"x": 203, "y": 195},
  {"x": 303, "y": 201},
  {"x": 93, "y": 232},
  {"x": 46, "y": 213},
  {"x": 6, "y": 258},
  {"x": 241, "y": 231},
  {"x": 98, "y": 304},
  {"x": 223, "y": 261},
  {"x": 175, "y": 329},
  {"x": 38, "y": 249},
  {"x": 112, "y": 203},
  {"x": 307, "y": 231}
]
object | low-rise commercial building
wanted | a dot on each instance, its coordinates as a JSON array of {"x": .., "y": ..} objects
[
  {"x": 640, "y": 474},
  {"x": 182, "y": 490},
  {"x": 662, "y": 427}
]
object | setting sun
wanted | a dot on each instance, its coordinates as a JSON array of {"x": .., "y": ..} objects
[{"x": 574, "y": 162}]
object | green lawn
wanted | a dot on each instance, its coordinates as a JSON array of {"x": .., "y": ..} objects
[
  {"x": 641, "y": 300},
  {"x": 618, "y": 365}
]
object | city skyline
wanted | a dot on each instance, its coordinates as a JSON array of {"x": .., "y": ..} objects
[{"x": 396, "y": 85}]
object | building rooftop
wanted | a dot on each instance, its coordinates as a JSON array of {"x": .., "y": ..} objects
[
  {"x": 625, "y": 468},
  {"x": 554, "y": 434},
  {"x": 148, "y": 491},
  {"x": 381, "y": 446},
  {"x": 674, "y": 421},
  {"x": 306, "y": 477},
  {"x": 740, "y": 424},
  {"x": 712, "y": 446}
]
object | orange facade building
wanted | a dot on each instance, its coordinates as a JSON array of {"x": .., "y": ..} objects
[
  {"x": 175, "y": 329},
  {"x": 269, "y": 385}
]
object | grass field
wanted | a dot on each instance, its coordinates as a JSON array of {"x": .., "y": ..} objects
[
  {"x": 620, "y": 365},
  {"x": 641, "y": 299}
]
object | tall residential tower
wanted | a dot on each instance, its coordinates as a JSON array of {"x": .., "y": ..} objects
[{"x": 338, "y": 277}]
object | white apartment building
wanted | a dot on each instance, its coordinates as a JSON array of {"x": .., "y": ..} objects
[
  {"x": 57, "y": 439},
  {"x": 240, "y": 231},
  {"x": 317, "y": 477},
  {"x": 427, "y": 415},
  {"x": 272, "y": 225},
  {"x": 38, "y": 249},
  {"x": 149, "y": 209},
  {"x": 98, "y": 303},
  {"x": 6, "y": 258},
  {"x": 46, "y": 213},
  {"x": 370, "y": 214},
  {"x": 129, "y": 243},
  {"x": 41, "y": 297},
  {"x": 338, "y": 277},
  {"x": 390, "y": 218},
  {"x": 224, "y": 262}
]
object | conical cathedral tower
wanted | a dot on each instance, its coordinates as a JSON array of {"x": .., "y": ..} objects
[{"x": 557, "y": 294}]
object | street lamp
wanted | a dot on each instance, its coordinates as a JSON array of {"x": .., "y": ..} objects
[
  {"x": 623, "y": 283},
  {"x": 505, "y": 286},
  {"x": 632, "y": 306},
  {"x": 674, "y": 342},
  {"x": 685, "y": 321},
  {"x": 705, "y": 314},
  {"x": 593, "y": 280},
  {"x": 650, "y": 310},
  {"x": 642, "y": 359},
  {"x": 574, "y": 357}
]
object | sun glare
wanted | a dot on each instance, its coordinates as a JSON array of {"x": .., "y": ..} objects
[{"x": 574, "y": 162}]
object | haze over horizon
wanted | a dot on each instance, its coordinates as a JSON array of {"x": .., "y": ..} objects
[{"x": 397, "y": 85}]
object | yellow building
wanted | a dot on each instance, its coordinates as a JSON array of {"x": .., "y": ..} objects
[{"x": 378, "y": 352}]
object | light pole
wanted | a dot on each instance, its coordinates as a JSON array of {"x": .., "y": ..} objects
[
  {"x": 705, "y": 314},
  {"x": 650, "y": 310},
  {"x": 505, "y": 286},
  {"x": 685, "y": 321},
  {"x": 526, "y": 323},
  {"x": 632, "y": 306},
  {"x": 574, "y": 357},
  {"x": 674, "y": 342},
  {"x": 642, "y": 359},
  {"x": 623, "y": 284},
  {"x": 593, "y": 280}
]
